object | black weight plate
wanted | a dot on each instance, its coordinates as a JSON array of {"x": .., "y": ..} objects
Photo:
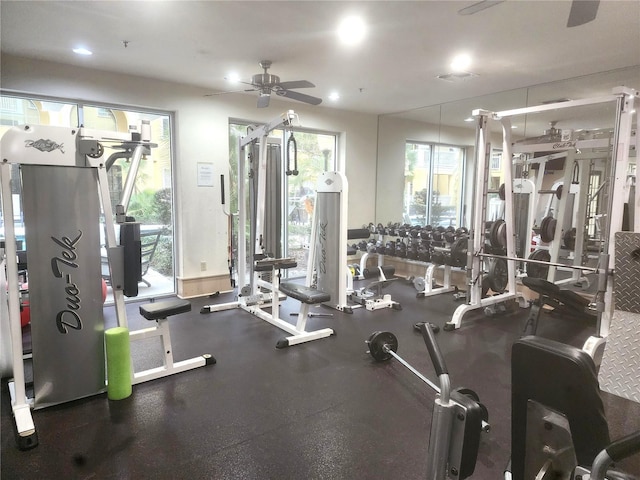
[
  {"x": 498, "y": 275},
  {"x": 502, "y": 192},
  {"x": 559, "y": 192},
  {"x": 485, "y": 286},
  {"x": 502, "y": 234},
  {"x": 468, "y": 392},
  {"x": 569, "y": 239},
  {"x": 536, "y": 270},
  {"x": 544, "y": 229},
  {"x": 551, "y": 229},
  {"x": 494, "y": 233},
  {"x": 459, "y": 252},
  {"x": 377, "y": 342}
]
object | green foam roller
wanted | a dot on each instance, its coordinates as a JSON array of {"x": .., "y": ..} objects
[{"x": 118, "y": 363}]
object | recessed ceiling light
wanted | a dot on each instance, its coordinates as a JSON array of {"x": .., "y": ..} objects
[
  {"x": 469, "y": 119},
  {"x": 233, "y": 77},
  {"x": 351, "y": 30},
  {"x": 513, "y": 127},
  {"x": 333, "y": 96},
  {"x": 461, "y": 63},
  {"x": 82, "y": 51}
]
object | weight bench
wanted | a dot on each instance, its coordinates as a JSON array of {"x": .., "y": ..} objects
[
  {"x": 307, "y": 296},
  {"x": 159, "y": 312},
  {"x": 558, "y": 424},
  {"x": 565, "y": 302}
]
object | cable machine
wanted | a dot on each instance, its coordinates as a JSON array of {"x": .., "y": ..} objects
[{"x": 260, "y": 167}]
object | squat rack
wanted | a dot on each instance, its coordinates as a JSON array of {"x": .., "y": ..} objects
[{"x": 618, "y": 189}]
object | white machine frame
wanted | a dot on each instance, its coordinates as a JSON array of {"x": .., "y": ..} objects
[
  {"x": 624, "y": 99},
  {"x": 266, "y": 294}
]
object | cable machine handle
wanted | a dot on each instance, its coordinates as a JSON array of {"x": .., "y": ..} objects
[{"x": 291, "y": 142}]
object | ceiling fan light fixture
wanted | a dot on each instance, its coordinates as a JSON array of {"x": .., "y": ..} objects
[{"x": 334, "y": 96}]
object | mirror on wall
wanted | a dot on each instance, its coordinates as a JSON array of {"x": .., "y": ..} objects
[{"x": 450, "y": 124}]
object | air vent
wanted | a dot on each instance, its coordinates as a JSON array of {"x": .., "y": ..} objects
[{"x": 457, "y": 76}]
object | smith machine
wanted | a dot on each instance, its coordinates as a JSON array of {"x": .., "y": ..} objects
[
  {"x": 64, "y": 188},
  {"x": 557, "y": 227},
  {"x": 260, "y": 166}
]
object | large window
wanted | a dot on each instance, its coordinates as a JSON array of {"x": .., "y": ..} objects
[
  {"x": 151, "y": 202},
  {"x": 433, "y": 184},
  {"x": 316, "y": 153}
]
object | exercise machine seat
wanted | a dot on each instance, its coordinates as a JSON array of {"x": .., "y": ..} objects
[
  {"x": 562, "y": 378},
  {"x": 565, "y": 298},
  {"x": 159, "y": 310},
  {"x": 303, "y": 293}
]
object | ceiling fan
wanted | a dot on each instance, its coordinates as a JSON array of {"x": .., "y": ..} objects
[
  {"x": 582, "y": 11},
  {"x": 266, "y": 84}
]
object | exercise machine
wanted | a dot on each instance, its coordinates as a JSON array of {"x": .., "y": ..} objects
[
  {"x": 558, "y": 427},
  {"x": 458, "y": 418},
  {"x": 259, "y": 269},
  {"x": 622, "y": 99},
  {"x": 64, "y": 189}
]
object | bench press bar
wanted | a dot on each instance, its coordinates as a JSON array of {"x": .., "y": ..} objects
[{"x": 541, "y": 262}]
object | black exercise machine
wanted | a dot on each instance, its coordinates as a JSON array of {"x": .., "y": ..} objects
[
  {"x": 558, "y": 426},
  {"x": 563, "y": 301},
  {"x": 458, "y": 417}
]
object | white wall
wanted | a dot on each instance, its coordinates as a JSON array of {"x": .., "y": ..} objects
[{"x": 202, "y": 136}]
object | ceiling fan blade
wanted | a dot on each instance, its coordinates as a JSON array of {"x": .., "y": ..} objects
[
  {"x": 229, "y": 91},
  {"x": 479, "y": 6},
  {"x": 582, "y": 11},
  {"x": 301, "y": 97},
  {"x": 296, "y": 84},
  {"x": 263, "y": 100}
]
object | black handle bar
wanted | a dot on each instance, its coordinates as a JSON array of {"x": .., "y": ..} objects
[{"x": 434, "y": 349}]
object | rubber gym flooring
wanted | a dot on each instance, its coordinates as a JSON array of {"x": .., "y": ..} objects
[{"x": 320, "y": 410}]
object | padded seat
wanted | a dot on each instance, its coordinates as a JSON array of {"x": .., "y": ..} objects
[
  {"x": 303, "y": 293},
  {"x": 160, "y": 310},
  {"x": 562, "y": 378},
  {"x": 568, "y": 301},
  {"x": 268, "y": 264}
]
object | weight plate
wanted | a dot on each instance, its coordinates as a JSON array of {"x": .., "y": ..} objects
[
  {"x": 377, "y": 343},
  {"x": 485, "y": 286},
  {"x": 551, "y": 229},
  {"x": 536, "y": 270},
  {"x": 494, "y": 233},
  {"x": 419, "y": 283},
  {"x": 559, "y": 192},
  {"x": 569, "y": 239},
  {"x": 459, "y": 252},
  {"x": 544, "y": 229},
  {"x": 498, "y": 275},
  {"x": 468, "y": 392},
  {"x": 502, "y": 192}
]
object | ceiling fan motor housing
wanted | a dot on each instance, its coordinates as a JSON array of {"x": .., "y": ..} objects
[{"x": 265, "y": 79}]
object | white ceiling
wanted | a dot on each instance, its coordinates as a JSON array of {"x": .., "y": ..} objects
[{"x": 514, "y": 44}]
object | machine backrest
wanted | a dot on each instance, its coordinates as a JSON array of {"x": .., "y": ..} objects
[{"x": 564, "y": 379}]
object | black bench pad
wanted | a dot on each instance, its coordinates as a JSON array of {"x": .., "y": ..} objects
[
  {"x": 567, "y": 297},
  {"x": 304, "y": 293},
  {"x": 269, "y": 263},
  {"x": 158, "y": 310}
]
